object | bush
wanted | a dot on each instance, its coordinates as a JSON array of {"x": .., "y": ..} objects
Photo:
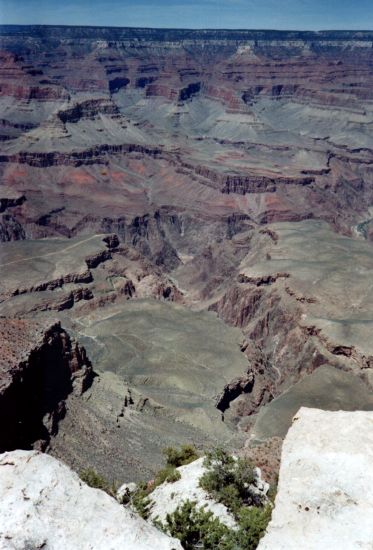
[
  {"x": 168, "y": 474},
  {"x": 228, "y": 480},
  {"x": 140, "y": 500},
  {"x": 230, "y": 497},
  {"x": 179, "y": 457},
  {"x": 95, "y": 480},
  {"x": 252, "y": 525},
  {"x": 194, "y": 527}
]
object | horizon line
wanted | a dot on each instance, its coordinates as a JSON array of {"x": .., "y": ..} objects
[{"x": 257, "y": 29}]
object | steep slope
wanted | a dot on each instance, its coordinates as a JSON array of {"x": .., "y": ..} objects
[
  {"x": 40, "y": 367},
  {"x": 324, "y": 498}
]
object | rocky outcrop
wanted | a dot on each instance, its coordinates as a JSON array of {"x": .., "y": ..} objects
[
  {"x": 186, "y": 488},
  {"x": 88, "y": 110},
  {"x": 93, "y": 261},
  {"x": 168, "y": 496},
  {"x": 83, "y": 277},
  {"x": 45, "y": 505},
  {"x": 117, "y": 83},
  {"x": 68, "y": 301},
  {"x": 192, "y": 89},
  {"x": 40, "y": 366},
  {"x": 149, "y": 235},
  {"x": 242, "y": 183},
  {"x": 260, "y": 281},
  {"x": 10, "y": 229},
  {"x": 324, "y": 497},
  {"x": 9, "y": 202},
  {"x": 77, "y": 158},
  {"x": 259, "y": 184},
  {"x": 231, "y": 391}
]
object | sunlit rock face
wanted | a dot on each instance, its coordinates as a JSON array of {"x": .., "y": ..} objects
[
  {"x": 45, "y": 504},
  {"x": 324, "y": 497}
]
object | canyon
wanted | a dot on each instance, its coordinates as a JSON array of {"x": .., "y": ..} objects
[{"x": 185, "y": 238}]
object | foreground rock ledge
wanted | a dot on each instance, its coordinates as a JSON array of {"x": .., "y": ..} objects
[
  {"x": 45, "y": 505},
  {"x": 325, "y": 497}
]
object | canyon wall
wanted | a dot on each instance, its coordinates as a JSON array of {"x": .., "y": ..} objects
[{"x": 172, "y": 177}]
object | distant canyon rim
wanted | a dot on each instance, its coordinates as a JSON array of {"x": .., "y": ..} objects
[{"x": 186, "y": 227}]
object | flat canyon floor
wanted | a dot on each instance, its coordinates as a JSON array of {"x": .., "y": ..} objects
[{"x": 161, "y": 367}]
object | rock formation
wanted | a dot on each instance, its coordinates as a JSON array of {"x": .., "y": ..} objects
[
  {"x": 186, "y": 488},
  {"x": 324, "y": 497},
  {"x": 40, "y": 367},
  {"x": 45, "y": 504},
  {"x": 227, "y": 171},
  {"x": 166, "y": 498}
]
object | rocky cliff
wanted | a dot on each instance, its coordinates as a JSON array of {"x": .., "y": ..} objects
[
  {"x": 40, "y": 366},
  {"x": 324, "y": 497}
]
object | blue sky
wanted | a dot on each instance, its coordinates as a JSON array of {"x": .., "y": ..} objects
[{"x": 274, "y": 14}]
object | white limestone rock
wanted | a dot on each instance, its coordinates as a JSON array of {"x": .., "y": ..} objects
[
  {"x": 44, "y": 504},
  {"x": 168, "y": 496},
  {"x": 259, "y": 488},
  {"x": 325, "y": 493},
  {"x": 125, "y": 491}
]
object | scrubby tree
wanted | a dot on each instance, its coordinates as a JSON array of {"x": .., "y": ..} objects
[
  {"x": 228, "y": 479},
  {"x": 179, "y": 457}
]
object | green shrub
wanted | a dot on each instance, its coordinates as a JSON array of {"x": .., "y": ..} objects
[
  {"x": 273, "y": 489},
  {"x": 272, "y": 492},
  {"x": 252, "y": 524},
  {"x": 95, "y": 480},
  {"x": 179, "y": 457},
  {"x": 194, "y": 527},
  {"x": 228, "y": 479},
  {"x": 168, "y": 474},
  {"x": 140, "y": 500},
  {"x": 230, "y": 497}
]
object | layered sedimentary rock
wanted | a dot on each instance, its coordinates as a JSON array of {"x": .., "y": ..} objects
[
  {"x": 228, "y": 171},
  {"x": 209, "y": 114},
  {"x": 324, "y": 499},
  {"x": 57, "y": 510},
  {"x": 40, "y": 368}
]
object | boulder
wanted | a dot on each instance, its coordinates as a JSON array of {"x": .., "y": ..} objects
[
  {"x": 259, "y": 488},
  {"x": 325, "y": 496},
  {"x": 45, "y": 505},
  {"x": 125, "y": 491}
]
